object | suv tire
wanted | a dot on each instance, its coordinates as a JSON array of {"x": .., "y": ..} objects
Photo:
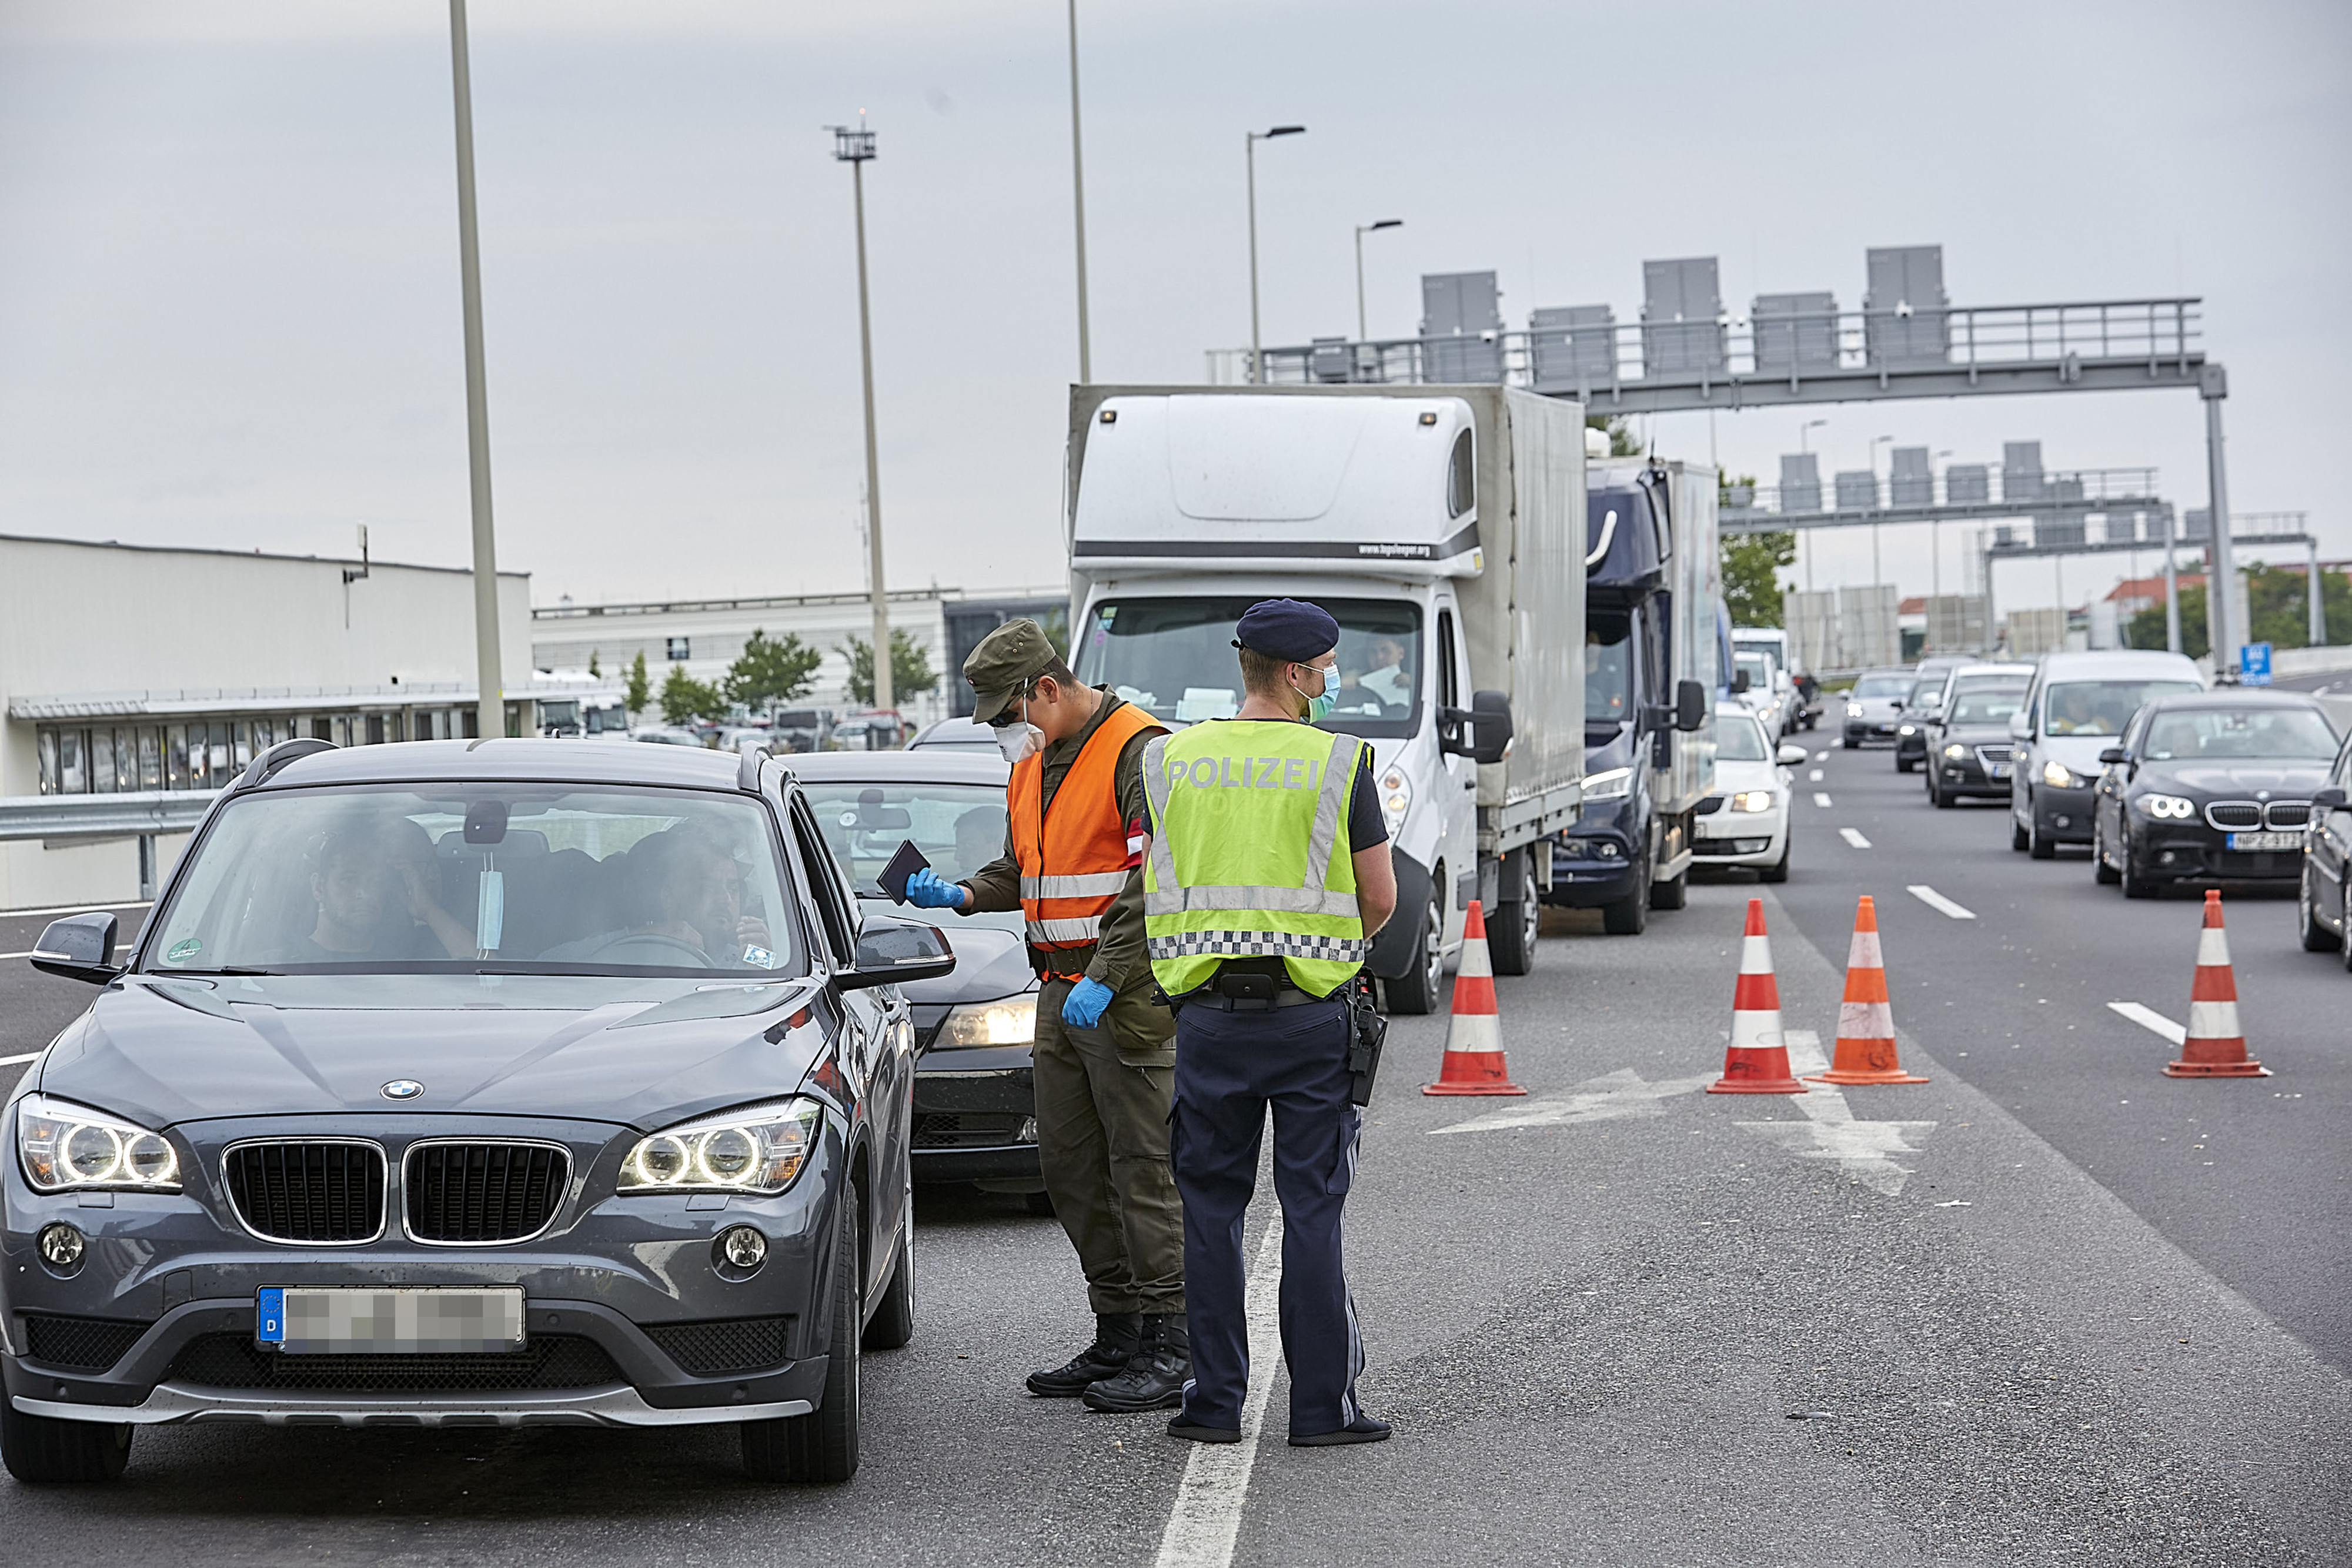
[
  {"x": 823, "y": 1445},
  {"x": 40, "y": 1450},
  {"x": 2316, "y": 938},
  {"x": 894, "y": 1320}
]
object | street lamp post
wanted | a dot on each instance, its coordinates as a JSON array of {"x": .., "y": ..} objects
[
  {"x": 1078, "y": 202},
  {"x": 1804, "y": 446},
  {"x": 1249, "y": 155},
  {"x": 1362, "y": 333},
  {"x": 1875, "y": 443},
  {"x": 855, "y": 148},
  {"x": 490, "y": 708}
]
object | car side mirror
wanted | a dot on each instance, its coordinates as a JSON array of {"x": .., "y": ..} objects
[
  {"x": 1690, "y": 706},
  {"x": 1481, "y": 733},
  {"x": 2330, "y": 800},
  {"x": 79, "y": 948},
  {"x": 891, "y": 951},
  {"x": 2112, "y": 755},
  {"x": 1740, "y": 682},
  {"x": 1789, "y": 755},
  {"x": 2020, "y": 727}
]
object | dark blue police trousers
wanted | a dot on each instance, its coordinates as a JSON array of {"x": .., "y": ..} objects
[{"x": 1230, "y": 1066}]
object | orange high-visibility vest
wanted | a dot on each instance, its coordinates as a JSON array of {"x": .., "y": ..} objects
[{"x": 1074, "y": 856}]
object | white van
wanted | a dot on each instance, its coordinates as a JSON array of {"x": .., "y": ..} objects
[{"x": 2075, "y": 707}]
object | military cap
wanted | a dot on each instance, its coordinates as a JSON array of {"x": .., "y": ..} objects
[
  {"x": 1007, "y": 659},
  {"x": 1288, "y": 629}
]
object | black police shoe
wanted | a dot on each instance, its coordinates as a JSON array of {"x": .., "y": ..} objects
[
  {"x": 1154, "y": 1376},
  {"x": 1181, "y": 1427},
  {"x": 1115, "y": 1341},
  {"x": 1362, "y": 1429}
]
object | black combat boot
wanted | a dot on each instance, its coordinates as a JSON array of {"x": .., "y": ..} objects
[
  {"x": 1114, "y": 1343},
  {"x": 1155, "y": 1374}
]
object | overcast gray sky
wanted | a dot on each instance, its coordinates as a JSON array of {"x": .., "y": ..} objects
[{"x": 228, "y": 302}]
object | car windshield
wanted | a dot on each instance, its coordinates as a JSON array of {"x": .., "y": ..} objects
[
  {"x": 1758, "y": 668},
  {"x": 1607, "y": 670},
  {"x": 2101, "y": 707},
  {"x": 464, "y": 878},
  {"x": 1882, "y": 688},
  {"x": 959, "y": 828},
  {"x": 1739, "y": 738},
  {"x": 2250, "y": 735},
  {"x": 1985, "y": 702},
  {"x": 1174, "y": 658},
  {"x": 1922, "y": 690}
]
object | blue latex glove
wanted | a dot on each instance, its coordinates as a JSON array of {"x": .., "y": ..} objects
[
  {"x": 928, "y": 890},
  {"x": 1086, "y": 1003}
]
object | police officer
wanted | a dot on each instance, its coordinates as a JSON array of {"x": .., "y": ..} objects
[
  {"x": 1266, "y": 873},
  {"x": 1104, "y": 1056}
]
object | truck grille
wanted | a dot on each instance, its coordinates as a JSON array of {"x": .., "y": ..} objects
[
  {"x": 548, "y": 1361},
  {"x": 479, "y": 1192},
  {"x": 730, "y": 1345},
  {"x": 331, "y": 1193},
  {"x": 86, "y": 1344}
]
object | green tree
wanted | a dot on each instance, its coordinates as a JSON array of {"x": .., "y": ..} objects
[
  {"x": 772, "y": 671},
  {"x": 641, "y": 687},
  {"x": 1621, "y": 436},
  {"x": 685, "y": 699},
  {"x": 2277, "y": 601},
  {"x": 911, "y": 667},
  {"x": 1751, "y": 576},
  {"x": 594, "y": 667}
]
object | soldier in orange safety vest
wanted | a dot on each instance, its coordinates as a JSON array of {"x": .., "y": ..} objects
[{"x": 1105, "y": 1054}]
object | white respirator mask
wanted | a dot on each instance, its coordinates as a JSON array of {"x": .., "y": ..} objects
[{"x": 1021, "y": 740}]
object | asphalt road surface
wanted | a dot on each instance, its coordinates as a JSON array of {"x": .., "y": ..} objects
[{"x": 2010, "y": 1316}]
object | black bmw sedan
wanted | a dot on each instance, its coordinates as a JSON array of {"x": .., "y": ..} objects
[
  {"x": 1970, "y": 753},
  {"x": 481, "y": 1084},
  {"x": 2210, "y": 787}
]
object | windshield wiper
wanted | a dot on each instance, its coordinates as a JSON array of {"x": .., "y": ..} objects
[{"x": 225, "y": 969}]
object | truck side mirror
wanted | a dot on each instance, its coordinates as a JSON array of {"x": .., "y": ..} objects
[
  {"x": 1490, "y": 729},
  {"x": 79, "y": 948},
  {"x": 1690, "y": 706}
]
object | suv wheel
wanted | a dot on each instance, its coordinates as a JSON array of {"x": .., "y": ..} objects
[
  {"x": 2104, "y": 874},
  {"x": 2316, "y": 938},
  {"x": 39, "y": 1449},
  {"x": 823, "y": 1445},
  {"x": 894, "y": 1320},
  {"x": 1417, "y": 991}
]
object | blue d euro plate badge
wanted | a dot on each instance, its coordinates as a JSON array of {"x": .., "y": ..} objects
[{"x": 331, "y": 1320}]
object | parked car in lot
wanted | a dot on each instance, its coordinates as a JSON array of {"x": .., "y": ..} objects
[
  {"x": 2076, "y": 707},
  {"x": 1874, "y": 707},
  {"x": 2324, "y": 912},
  {"x": 975, "y": 1111},
  {"x": 2212, "y": 786},
  {"x": 1745, "y": 822},
  {"x": 1969, "y": 749},
  {"x": 471, "y": 1083}
]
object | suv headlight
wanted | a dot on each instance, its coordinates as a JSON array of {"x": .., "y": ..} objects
[
  {"x": 1853, "y": 710},
  {"x": 1752, "y": 801},
  {"x": 1396, "y": 797},
  {"x": 1008, "y": 1021},
  {"x": 2058, "y": 775},
  {"x": 66, "y": 1148},
  {"x": 1956, "y": 751},
  {"x": 2167, "y": 806},
  {"x": 1609, "y": 784},
  {"x": 756, "y": 1150}
]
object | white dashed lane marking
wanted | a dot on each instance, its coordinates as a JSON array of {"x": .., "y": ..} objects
[
  {"x": 2148, "y": 1017},
  {"x": 1814, "y": 776},
  {"x": 1854, "y": 837},
  {"x": 1934, "y": 900},
  {"x": 1821, "y": 798}
]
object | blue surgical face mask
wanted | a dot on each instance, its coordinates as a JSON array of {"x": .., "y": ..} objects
[{"x": 1321, "y": 702}]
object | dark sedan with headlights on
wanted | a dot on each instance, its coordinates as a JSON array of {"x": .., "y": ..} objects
[
  {"x": 493, "y": 1083},
  {"x": 2210, "y": 787},
  {"x": 975, "y": 1110},
  {"x": 1970, "y": 753}
]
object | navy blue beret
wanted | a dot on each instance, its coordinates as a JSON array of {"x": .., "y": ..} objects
[{"x": 1288, "y": 629}]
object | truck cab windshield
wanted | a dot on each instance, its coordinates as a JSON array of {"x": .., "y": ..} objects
[
  {"x": 1174, "y": 658},
  {"x": 1607, "y": 669}
]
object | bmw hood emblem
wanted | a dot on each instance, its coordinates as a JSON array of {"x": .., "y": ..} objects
[{"x": 401, "y": 1088}]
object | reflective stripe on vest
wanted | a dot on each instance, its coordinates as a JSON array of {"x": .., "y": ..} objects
[
  {"x": 1221, "y": 904},
  {"x": 1073, "y": 856}
]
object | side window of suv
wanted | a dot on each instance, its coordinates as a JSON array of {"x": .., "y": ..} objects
[{"x": 824, "y": 883}]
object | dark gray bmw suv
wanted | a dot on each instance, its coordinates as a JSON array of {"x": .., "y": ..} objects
[{"x": 490, "y": 1083}]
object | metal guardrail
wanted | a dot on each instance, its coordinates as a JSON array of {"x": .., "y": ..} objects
[
  {"x": 125, "y": 816},
  {"x": 1660, "y": 364}
]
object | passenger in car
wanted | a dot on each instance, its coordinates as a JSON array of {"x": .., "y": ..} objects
[
  {"x": 685, "y": 904},
  {"x": 374, "y": 884}
]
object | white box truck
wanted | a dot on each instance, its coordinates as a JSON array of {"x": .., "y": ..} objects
[{"x": 1443, "y": 527}]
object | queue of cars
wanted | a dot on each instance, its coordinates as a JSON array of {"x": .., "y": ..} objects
[{"x": 2129, "y": 754}]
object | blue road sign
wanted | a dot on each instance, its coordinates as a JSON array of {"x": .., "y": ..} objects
[{"x": 2255, "y": 664}]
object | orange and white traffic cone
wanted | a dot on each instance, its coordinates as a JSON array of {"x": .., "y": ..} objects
[
  {"x": 2215, "y": 1047},
  {"x": 1756, "y": 1060},
  {"x": 1866, "y": 1036},
  {"x": 1474, "y": 1038}
]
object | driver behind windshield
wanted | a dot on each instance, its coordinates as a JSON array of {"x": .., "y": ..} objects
[
  {"x": 373, "y": 882},
  {"x": 1387, "y": 679},
  {"x": 684, "y": 900}
]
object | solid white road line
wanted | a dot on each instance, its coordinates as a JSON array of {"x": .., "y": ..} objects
[
  {"x": 1934, "y": 900},
  {"x": 18, "y": 1060},
  {"x": 1207, "y": 1518},
  {"x": 2148, "y": 1017},
  {"x": 1814, "y": 776},
  {"x": 1821, "y": 798},
  {"x": 1854, "y": 838}
]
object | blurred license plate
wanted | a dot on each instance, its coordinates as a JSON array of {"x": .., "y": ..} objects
[
  {"x": 333, "y": 1321},
  {"x": 1996, "y": 769},
  {"x": 2271, "y": 840}
]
